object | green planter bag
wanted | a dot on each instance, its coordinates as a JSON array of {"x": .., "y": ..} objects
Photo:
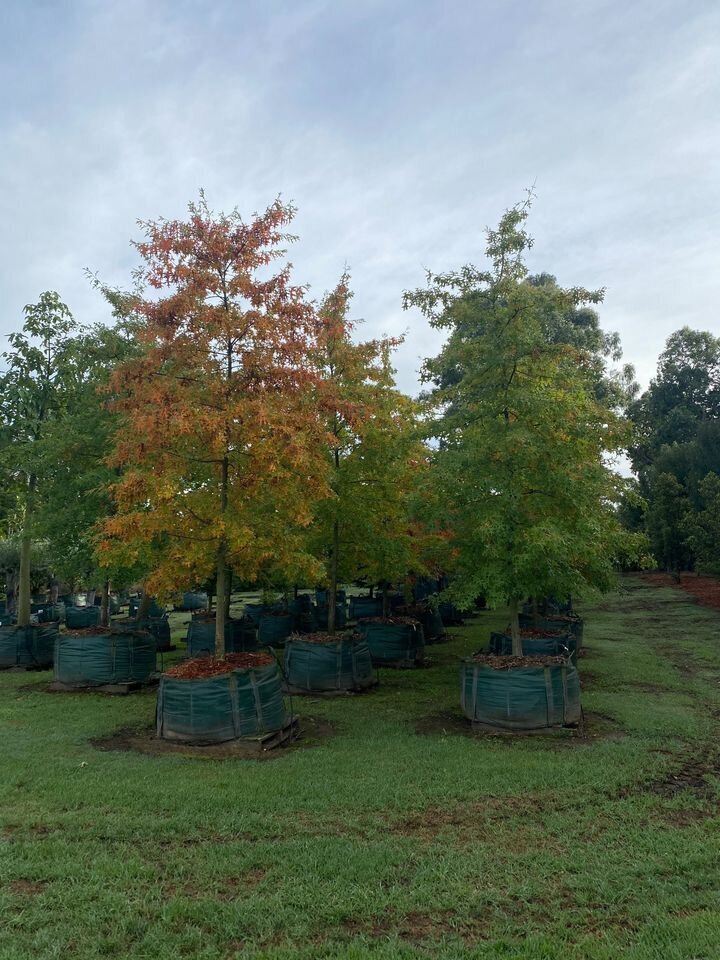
[
  {"x": 342, "y": 663},
  {"x": 244, "y": 702},
  {"x": 520, "y": 698},
  {"x": 274, "y": 629},
  {"x": 80, "y": 618},
  {"x": 240, "y": 635},
  {"x": 98, "y": 659},
  {"x": 31, "y": 646},
  {"x": 398, "y": 642},
  {"x": 365, "y": 607},
  {"x": 559, "y": 645}
]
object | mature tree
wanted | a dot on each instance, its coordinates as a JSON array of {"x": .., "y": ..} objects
[
  {"x": 222, "y": 456},
  {"x": 365, "y": 530},
  {"x": 522, "y": 435},
  {"x": 41, "y": 373},
  {"x": 78, "y": 494},
  {"x": 677, "y": 435},
  {"x": 703, "y": 527}
]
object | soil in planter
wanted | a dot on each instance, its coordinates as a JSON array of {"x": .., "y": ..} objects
[
  {"x": 205, "y": 667},
  {"x": 508, "y": 663}
]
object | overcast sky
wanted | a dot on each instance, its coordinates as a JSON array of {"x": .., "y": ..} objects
[{"x": 400, "y": 128}]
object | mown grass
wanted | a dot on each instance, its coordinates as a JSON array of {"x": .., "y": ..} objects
[{"x": 399, "y": 835}]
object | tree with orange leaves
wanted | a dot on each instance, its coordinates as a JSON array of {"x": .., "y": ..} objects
[
  {"x": 222, "y": 450},
  {"x": 364, "y": 530}
]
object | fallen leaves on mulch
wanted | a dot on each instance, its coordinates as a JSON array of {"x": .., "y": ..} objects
[
  {"x": 205, "y": 667},
  {"x": 508, "y": 663}
]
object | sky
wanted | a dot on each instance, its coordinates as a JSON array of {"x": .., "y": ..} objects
[{"x": 399, "y": 128}]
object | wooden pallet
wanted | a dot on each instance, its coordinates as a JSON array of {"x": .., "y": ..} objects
[
  {"x": 278, "y": 738},
  {"x": 110, "y": 689}
]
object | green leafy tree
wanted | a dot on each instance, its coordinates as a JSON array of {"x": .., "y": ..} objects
[
  {"x": 666, "y": 522},
  {"x": 41, "y": 372},
  {"x": 703, "y": 526},
  {"x": 522, "y": 436},
  {"x": 78, "y": 495},
  {"x": 364, "y": 530}
]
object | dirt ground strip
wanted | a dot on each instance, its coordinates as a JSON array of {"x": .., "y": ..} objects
[
  {"x": 143, "y": 740},
  {"x": 704, "y": 589}
]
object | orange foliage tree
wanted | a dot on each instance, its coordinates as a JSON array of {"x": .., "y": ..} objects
[{"x": 222, "y": 450}]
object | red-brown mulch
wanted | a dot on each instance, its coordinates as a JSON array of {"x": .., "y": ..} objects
[
  {"x": 541, "y": 634},
  {"x": 507, "y": 663},
  {"x": 319, "y": 637},
  {"x": 410, "y": 620},
  {"x": 204, "y": 667},
  {"x": 704, "y": 589}
]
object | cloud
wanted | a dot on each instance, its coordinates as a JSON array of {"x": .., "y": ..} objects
[{"x": 400, "y": 130}]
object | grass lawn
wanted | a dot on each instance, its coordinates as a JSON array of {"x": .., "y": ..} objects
[{"x": 396, "y": 834}]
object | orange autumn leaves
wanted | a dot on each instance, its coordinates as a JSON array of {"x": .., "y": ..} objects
[{"x": 223, "y": 453}]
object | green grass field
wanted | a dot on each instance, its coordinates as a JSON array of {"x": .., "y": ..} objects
[{"x": 392, "y": 832}]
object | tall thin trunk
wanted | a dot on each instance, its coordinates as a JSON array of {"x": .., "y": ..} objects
[
  {"x": 105, "y": 605},
  {"x": 385, "y": 601},
  {"x": 228, "y": 596},
  {"x": 535, "y": 613},
  {"x": 515, "y": 629},
  {"x": 12, "y": 591},
  {"x": 332, "y": 589},
  {"x": 144, "y": 605},
  {"x": 90, "y": 597},
  {"x": 221, "y": 589},
  {"x": 23, "y": 612}
]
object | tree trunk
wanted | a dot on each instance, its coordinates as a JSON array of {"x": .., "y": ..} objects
[
  {"x": 535, "y": 613},
  {"x": 228, "y": 596},
  {"x": 385, "y": 601},
  {"x": 12, "y": 591},
  {"x": 105, "y": 605},
  {"x": 90, "y": 597},
  {"x": 515, "y": 629},
  {"x": 54, "y": 591},
  {"x": 221, "y": 595},
  {"x": 23, "y": 612},
  {"x": 144, "y": 607},
  {"x": 332, "y": 589}
]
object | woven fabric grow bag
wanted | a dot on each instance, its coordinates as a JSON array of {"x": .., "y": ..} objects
[
  {"x": 253, "y": 611},
  {"x": 32, "y": 646},
  {"x": 322, "y": 597},
  {"x": 321, "y": 615},
  {"x": 365, "y": 607},
  {"x": 274, "y": 629},
  {"x": 52, "y": 613},
  {"x": 520, "y": 698},
  {"x": 302, "y": 603},
  {"x": 343, "y": 663},
  {"x": 192, "y": 600},
  {"x": 240, "y": 635},
  {"x": 450, "y": 614},
  {"x": 80, "y": 618},
  {"x": 241, "y": 703},
  {"x": 431, "y": 622},
  {"x": 401, "y": 644},
  {"x": 557, "y": 646},
  {"x": 564, "y": 624},
  {"x": 95, "y": 659},
  {"x": 158, "y": 628}
]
